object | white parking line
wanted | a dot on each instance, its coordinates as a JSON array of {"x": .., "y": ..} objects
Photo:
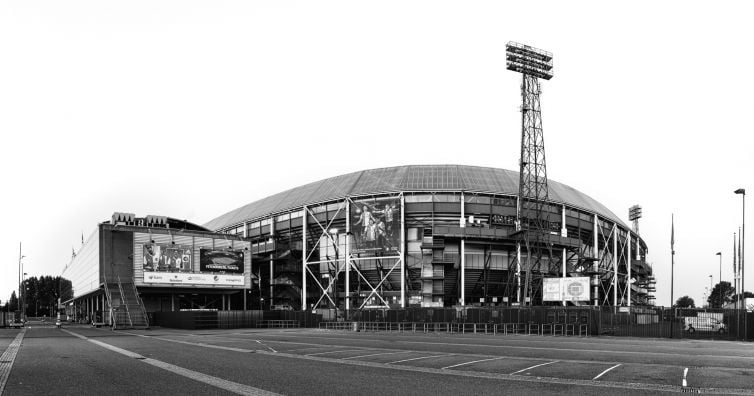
[
  {"x": 605, "y": 372},
  {"x": 229, "y": 386},
  {"x": 419, "y": 358},
  {"x": 685, "y": 371},
  {"x": 538, "y": 365},
  {"x": 264, "y": 345},
  {"x": 475, "y": 361},
  {"x": 375, "y": 354},
  {"x": 339, "y": 350}
]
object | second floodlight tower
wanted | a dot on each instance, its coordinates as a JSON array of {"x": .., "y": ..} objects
[{"x": 532, "y": 221}]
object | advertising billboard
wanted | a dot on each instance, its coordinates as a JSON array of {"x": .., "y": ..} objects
[
  {"x": 229, "y": 261},
  {"x": 183, "y": 278},
  {"x": 159, "y": 257},
  {"x": 375, "y": 224},
  {"x": 565, "y": 289}
]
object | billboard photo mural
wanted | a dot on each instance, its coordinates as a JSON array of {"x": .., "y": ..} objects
[
  {"x": 375, "y": 224},
  {"x": 211, "y": 260},
  {"x": 159, "y": 257}
]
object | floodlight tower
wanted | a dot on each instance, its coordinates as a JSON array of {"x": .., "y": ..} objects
[
  {"x": 634, "y": 214},
  {"x": 532, "y": 221}
]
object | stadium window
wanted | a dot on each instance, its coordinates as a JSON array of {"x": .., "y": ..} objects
[
  {"x": 447, "y": 198},
  {"x": 333, "y": 207},
  {"x": 418, "y": 198},
  {"x": 283, "y": 217}
]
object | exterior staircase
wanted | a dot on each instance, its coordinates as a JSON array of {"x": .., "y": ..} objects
[{"x": 126, "y": 307}]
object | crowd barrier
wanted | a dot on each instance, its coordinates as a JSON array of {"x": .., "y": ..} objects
[{"x": 541, "y": 329}]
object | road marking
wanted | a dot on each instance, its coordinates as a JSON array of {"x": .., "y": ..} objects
[
  {"x": 8, "y": 357},
  {"x": 339, "y": 350},
  {"x": 632, "y": 386},
  {"x": 265, "y": 345},
  {"x": 614, "y": 352},
  {"x": 199, "y": 344},
  {"x": 303, "y": 349},
  {"x": 229, "y": 386},
  {"x": 475, "y": 361},
  {"x": 419, "y": 358},
  {"x": 685, "y": 371},
  {"x": 375, "y": 354},
  {"x": 538, "y": 365},
  {"x": 605, "y": 372}
]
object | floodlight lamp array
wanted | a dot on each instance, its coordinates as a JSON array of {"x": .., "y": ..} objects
[
  {"x": 528, "y": 60},
  {"x": 634, "y": 213}
]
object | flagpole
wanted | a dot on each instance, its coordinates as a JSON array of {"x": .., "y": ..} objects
[
  {"x": 672, "y": 257},
  {"x": 672, "y": 270}
]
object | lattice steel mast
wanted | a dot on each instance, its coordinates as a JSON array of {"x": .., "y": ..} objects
[{"x": 532, "y": 220}]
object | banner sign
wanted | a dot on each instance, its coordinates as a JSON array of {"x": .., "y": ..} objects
[
  {"x": 166, "y": 257},
  {"x": 565, "y": 289},
  {"x": 211, "y": 260},
  {"x": 376, "y": 225},
  {"x": 182, "y": 278}
]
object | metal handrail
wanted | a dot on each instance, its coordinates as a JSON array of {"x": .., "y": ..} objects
[
  {"x": 141, "y": 305},
  {"x": 123, "y": 302}
]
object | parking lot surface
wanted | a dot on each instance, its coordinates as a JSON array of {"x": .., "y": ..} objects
[{"x": 85, "y": 360}]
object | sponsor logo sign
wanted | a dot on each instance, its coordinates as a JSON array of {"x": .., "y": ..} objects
[
  {"x": 565, "y": 289},
  {"x": 193, "y": 279},
  {"x": 228, "y": 261}
]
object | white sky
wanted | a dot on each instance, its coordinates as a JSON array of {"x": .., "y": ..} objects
[{"x": 191, "y": 109}]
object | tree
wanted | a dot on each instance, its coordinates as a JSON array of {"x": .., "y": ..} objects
[
  {"x": 747, "y": 294},
  {"x": 685, "y": 302},
  {"x": 12, "y": 303},
  {"x": 723, "y": 293},
  {"x": 41, "y": 296}
]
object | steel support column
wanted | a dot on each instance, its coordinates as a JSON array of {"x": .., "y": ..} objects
[
  {"x": 563, "y": 233},
  {"x": 628, "y": 268},
  {"x": 403, "y": 252},
  {"x": 462, "y": 223},
  {"x": 595, "y": 264},
  {"x": 347, "y": 254},
  {"x": 303, "y": 262},
  {"x": 615, "y": 265},
  {"x": 463, "y": 272}
]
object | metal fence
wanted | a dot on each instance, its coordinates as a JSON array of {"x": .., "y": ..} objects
[
  {"x": 235, "y": 319},
  {"x": 658, "y": 322}
]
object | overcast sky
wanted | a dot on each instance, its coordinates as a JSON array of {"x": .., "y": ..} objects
[{"x": 191, "y": 109}]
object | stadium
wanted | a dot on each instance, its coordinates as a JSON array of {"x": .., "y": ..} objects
[{"x": 434, "y": 236}]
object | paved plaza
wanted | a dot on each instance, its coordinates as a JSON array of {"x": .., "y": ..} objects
[{"x": 42, "y": 359}]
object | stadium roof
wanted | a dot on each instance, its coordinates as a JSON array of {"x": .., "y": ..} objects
[{"x": 404, "y": 178}]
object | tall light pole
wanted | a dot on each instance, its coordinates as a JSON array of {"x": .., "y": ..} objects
[
  {"x": 532, "y": 218},
  {"x": 743, "y": 242},
  {"x": 20, "y": 280},
  {"x": 720, "y": 279},
  {"x": 710, "y": 289}
]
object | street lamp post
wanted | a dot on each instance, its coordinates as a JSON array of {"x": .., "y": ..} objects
[
  {"x": 710, "y": 290},
  {"x": 721, "y": 266},
  {"x": 20, "y": 279},
  {"x": 743, "y": 242}
]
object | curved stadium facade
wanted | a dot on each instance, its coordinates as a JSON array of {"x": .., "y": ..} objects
[{"x": 432, "y": 236}]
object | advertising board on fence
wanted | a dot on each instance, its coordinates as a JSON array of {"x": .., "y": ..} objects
[
  {"x": 193, "y": 279},
  {"x": 565, "y": 289}
]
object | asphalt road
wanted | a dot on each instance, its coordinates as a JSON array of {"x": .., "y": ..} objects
[{"x": 85, "y": 360}]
